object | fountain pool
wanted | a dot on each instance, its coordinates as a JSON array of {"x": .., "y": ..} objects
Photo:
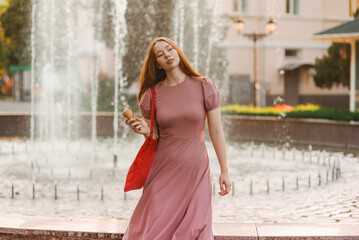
[{"x": 271, "y": 184}]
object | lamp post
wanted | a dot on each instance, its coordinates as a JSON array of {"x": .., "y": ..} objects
[{"x": 255, "y": 36}]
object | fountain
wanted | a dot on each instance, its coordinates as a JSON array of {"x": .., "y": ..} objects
[{"x": 69, "y": 58}]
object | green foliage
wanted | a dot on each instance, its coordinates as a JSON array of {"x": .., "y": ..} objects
[
  {"x": 15, "y": 20},
  {"x": 334, "y": 68},
  {"x": 326, "y": 113},
  {"x": 300, "y": 111},
  {"x": 356, "y": 14}
]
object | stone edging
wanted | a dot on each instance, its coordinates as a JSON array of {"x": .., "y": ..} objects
[
  {"x": 25, "y": 227},
  {"x": 317, "y": 132},
  {"x": 303, "y": 131}
]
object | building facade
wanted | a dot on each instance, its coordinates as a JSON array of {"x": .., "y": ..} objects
[{"x": 285, "y": 57}]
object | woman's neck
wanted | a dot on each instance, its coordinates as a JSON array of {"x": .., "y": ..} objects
[{"x": 174, "y": 77}]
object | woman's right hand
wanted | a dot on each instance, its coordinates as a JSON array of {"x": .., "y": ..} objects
[{"x": 138, "y": 125}]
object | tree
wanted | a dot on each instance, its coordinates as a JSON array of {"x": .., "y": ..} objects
[
  {"x": 3, "y": 7},
  {"x": 15, "y": 32},
  {"x": 333, "y": 68},
  {"x": 356, "y": 14}
]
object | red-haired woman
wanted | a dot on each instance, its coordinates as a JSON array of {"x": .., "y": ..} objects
[{"x": 176, "y": 201}]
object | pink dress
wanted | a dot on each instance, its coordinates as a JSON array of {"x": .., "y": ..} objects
[{"x": 176, "y": 202}]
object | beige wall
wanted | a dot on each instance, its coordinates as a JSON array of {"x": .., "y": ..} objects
[{"x": 293, "y": 31}]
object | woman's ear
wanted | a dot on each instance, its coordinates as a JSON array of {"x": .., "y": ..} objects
[{"x": 158, "y": 66}]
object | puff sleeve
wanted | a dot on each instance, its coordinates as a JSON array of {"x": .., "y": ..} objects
[
  {"x": 145, "y": 104},
  {"x": 212, "y": 98}
]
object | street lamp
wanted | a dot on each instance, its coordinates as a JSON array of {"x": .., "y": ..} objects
[{"x": 255, "y": 36}]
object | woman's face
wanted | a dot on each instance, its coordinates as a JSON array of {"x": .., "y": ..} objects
[{"x": 166, "y": 56}]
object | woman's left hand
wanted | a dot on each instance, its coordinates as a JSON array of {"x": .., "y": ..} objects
[{"x": 224, "y": 184}]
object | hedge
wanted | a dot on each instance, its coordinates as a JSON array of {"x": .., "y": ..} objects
[{"x": 300, "y": 111}]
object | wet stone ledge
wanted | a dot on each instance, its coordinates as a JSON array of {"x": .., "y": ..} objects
[
  {"x": 317, "y": 132},
  {"x": 25, "y": 227},
  {"x": 48, "y": 234},
  {"x": 301, "y": 131},
  {"x": 16, "y": 234}
]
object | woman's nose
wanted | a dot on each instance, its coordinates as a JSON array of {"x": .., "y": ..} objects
[{"x": 167, "y": 54}]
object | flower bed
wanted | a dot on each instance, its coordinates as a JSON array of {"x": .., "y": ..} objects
[{"x": 300, "y": 111}]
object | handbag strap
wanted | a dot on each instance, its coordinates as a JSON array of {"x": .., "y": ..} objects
[{"x": 152, "y": 110}]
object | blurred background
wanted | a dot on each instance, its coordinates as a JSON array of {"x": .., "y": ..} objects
[{"x": 290, "y": 64}]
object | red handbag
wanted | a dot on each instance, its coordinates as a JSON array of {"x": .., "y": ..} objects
[{"x": 138, "y": 172}]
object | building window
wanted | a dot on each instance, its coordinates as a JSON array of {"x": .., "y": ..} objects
[
  {"x": 353, "y": 7},
  {"x": 292, "y": 7},
  {"x": 292, "y": 53},
  {"x": 241, "y": 6}
]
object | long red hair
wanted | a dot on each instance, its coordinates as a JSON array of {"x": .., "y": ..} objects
[{"x": 151, "y": 74}]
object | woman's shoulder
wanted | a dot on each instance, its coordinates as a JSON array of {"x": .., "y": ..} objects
[
  {"x": 205, "y": 81},
  {"x": 202, "y": 79},
  {"x": 147, "y": 93},
  {"x": 196, "y": 78}
]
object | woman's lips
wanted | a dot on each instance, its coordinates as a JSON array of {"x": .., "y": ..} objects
[{"x": 170, "y": 61}]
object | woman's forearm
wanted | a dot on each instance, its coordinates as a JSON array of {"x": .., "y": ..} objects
[
  {"x": 217, "y": 136},
  {"x": 147, "y": 134},
  {"x": 219, "y": 144},
  {"x": 155, "y": 134}
]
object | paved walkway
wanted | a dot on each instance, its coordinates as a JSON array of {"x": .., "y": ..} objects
[{"x": 21, "y": 227}]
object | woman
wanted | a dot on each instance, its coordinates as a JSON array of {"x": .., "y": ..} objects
[{"x": 176, "y": 201}]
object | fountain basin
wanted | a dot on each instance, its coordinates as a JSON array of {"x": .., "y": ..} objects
[
  {"x": 79, "y": 179},
  {"x": 302, "y": 131},
  {"x": 317, "y": 132},
  {"x": 16, "y": 227},
  {"x": 18, "y": 124}
]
